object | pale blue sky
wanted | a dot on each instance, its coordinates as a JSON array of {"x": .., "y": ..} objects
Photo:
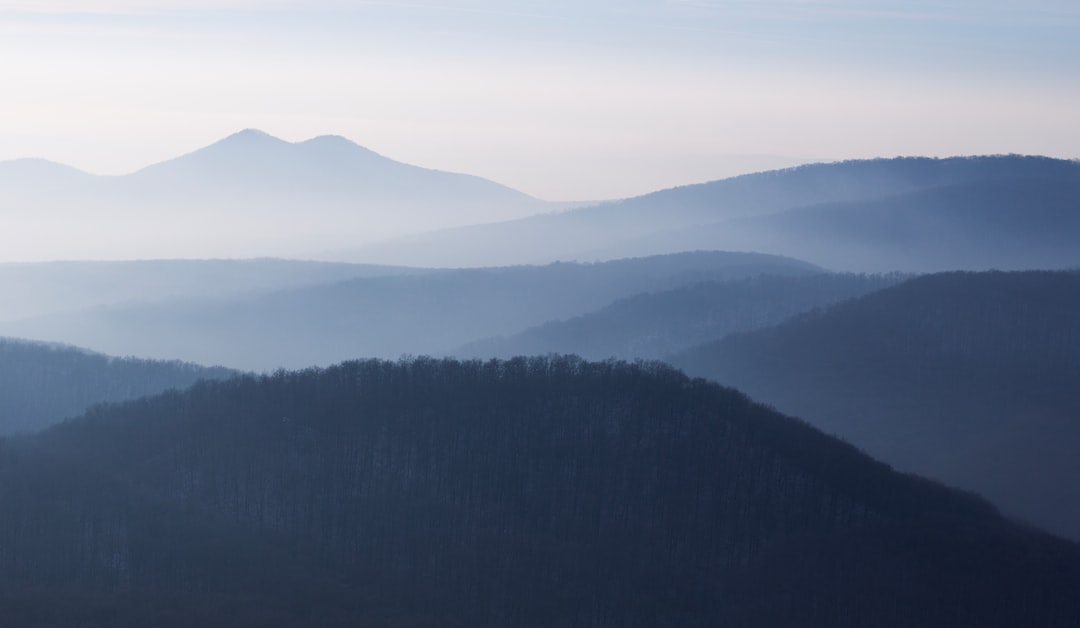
[{"x": 563, "y": 100}]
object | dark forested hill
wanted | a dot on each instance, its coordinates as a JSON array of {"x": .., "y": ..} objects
[
  {"x": 386, "y": 316},
  {"x": 845, "y": 210},
  {"x": 654, "y": 325},
  {"x": 532, "y": 492},
  {"x": 973, "y": 378},
  {"x": 41, "y": 384}
]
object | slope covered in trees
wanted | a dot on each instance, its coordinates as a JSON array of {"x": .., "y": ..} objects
[
  {"x": 539, "y": 492},
  {"x": 42, "y": 384},
  {"x": 426, "y": 312},
  {"x": 971, "y": 378},
  {"x": 657, "y": 324}
]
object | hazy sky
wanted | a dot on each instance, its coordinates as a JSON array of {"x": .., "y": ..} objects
[{"x": 563, "y": 100}]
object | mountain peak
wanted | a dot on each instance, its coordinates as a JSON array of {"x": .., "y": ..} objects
[
  {"x": 251, "y": 136},
  {"x": 339, "y": 146},
  {"x": 35, "y": 167}
]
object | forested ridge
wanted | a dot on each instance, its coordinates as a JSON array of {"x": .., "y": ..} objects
[
  {"x": 971, "y": 378},
  {"x": 528, "y": 492},
  {"x": 42, "y": 384}
]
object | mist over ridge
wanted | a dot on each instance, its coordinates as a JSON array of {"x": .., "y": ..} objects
[
  {"x": 879, "y": 215},
  {"x": 247, "y": 195}
]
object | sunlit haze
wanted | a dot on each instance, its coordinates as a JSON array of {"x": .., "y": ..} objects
[{"x": 561, "y": 100}]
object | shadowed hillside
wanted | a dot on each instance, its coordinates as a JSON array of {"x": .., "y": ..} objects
[
  {"x": 42, "y": 384},
  {"x": 654, "y": 325},
  {"x": 967, "y": 377}
]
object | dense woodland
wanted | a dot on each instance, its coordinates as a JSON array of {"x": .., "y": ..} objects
[
  {"x": 971, "y": 378},
  {"x": 42, "y": 384},
  {"x": 529, "y": 492}
]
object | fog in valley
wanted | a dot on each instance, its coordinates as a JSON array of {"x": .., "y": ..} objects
[{"x": 478, "y": 332}]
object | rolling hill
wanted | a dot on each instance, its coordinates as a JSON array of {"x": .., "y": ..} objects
[
  {"x": 656, "y": 324},
  {"x": 42, "y": 384},
  {"x": 970, "y": 378},
  {"x": 539, "y": 492}
]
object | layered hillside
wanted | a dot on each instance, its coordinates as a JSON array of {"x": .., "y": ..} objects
[
  {"x": 381, "y": 316},
  {"x": 910, "y": 214},
  {"x": 657, "y": 324},
  {"x": 971, "y": 378}
]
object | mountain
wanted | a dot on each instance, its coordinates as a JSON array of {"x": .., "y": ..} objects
[
  {"x": 876, "y": 215},
  {"x": 657, "y": 324},
  {"x": 248, "y": 195},
  {"x": 1008, "y": 223},
  {"x": 42, "y": 384},
  {"x": 381, "y": 316},
  {"x": 532, "y": 492},
  {"x": 970, "y": 378}
]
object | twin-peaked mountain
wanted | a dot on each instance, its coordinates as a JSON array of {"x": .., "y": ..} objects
[
  {"x": 247, "y": 195},
  {"x": 531, "y": 492},
  {"x": 970, "y": 378},
  {"x": 253, "y": 195},
  {"x": 908, "y": 214}
]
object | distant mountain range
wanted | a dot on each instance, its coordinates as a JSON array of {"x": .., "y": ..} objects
[
  {"x": 385, "y": 313},
  {"x": 908, "y": 214},
  {"x": 531, "y": 492},
  {"x": 247, "y": 195},
  {"x": 252, "y": 195},
  {"x": 970, "y": 378}
]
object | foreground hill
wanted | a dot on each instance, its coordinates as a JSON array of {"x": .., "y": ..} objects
[
  {"x": 655, "y": 325},
  {"x": 42, "y": 384},
  {"x": 384, "y": 316},
  {"x": 971, "y": 378},
  {"x": 539, "y": 492},
  {"x": 247, "y": 195},
  {"x": 911, "y": 214}
]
